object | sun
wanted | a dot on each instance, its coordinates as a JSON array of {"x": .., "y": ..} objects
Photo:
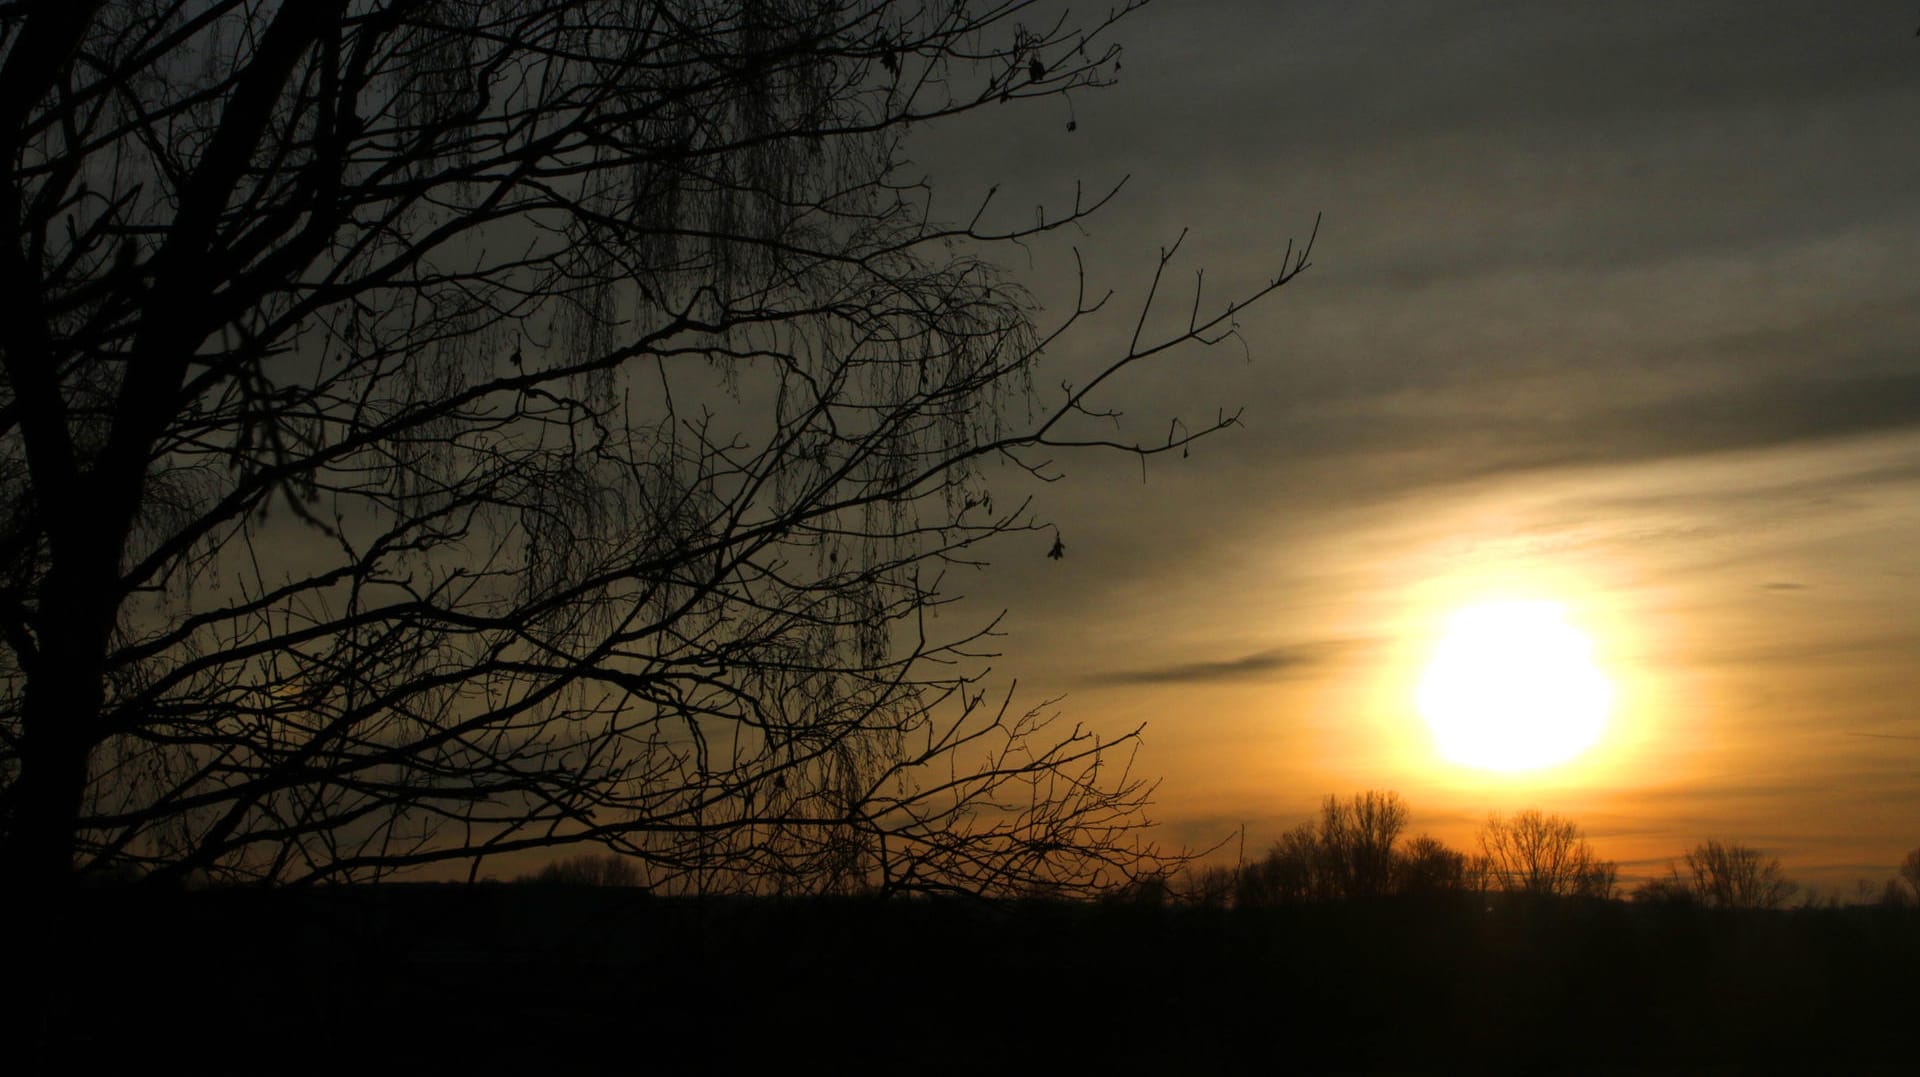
[{"x": 1513, "y": 686}]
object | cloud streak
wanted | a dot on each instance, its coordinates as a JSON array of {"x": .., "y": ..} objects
[{"x": 1268, "y": 664}]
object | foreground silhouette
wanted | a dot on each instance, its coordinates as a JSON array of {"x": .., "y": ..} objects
[{"x": 560, "y": 976}]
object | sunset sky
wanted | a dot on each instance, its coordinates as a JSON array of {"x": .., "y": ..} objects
[{"x": 1612, "y": 306}]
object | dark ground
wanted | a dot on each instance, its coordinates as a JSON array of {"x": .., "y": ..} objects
[{"x": 431, "y": 978}]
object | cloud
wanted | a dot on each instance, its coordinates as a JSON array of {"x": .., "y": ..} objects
[
  {"x": 1699, "y": 802},
  {"x": 1551, "y": 420},
  {"x": 1277, "y": 662},
  {"x": 1770, "y": 412}
]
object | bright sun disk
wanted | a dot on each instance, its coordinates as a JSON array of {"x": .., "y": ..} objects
[{"x": 1513, "y": 686}]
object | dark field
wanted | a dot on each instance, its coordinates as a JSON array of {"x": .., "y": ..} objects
[{"x": 422, "y": 978}]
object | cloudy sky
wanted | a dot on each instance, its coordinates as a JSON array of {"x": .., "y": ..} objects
[{"x": 1612, "y": 306}]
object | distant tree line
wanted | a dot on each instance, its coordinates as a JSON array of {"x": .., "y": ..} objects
[
  {"x": 1353, "y": 849},
  {"x": 586, "y": 869}
]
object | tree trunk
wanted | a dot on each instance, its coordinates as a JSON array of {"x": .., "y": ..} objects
[{"x": 60, "y": 723}]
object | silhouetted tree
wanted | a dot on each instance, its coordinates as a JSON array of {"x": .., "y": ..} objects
[
  {"x": 1294, "y": 869},
  {"x": 440, "y": 428},
  {"x": 1668, "y": 889},
  {"x": 1357, "y": 837},
  {"x": 1428, "y": 868},
  {"x": 1212, "y": 886},
  {"x": 586, "y": 869},
  {"x": 1910, "y": 872},
  {"x": 1532, "y": 853},
  {"x": 1347, "y": 852},
  {"x": 1726, "y": 875},
  {"x": 1147, "y": 890}
]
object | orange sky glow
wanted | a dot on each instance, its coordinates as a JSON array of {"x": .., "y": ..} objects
[
  {"x": 1760, "y": 660},
  {"x": 1641, "y": 346}
]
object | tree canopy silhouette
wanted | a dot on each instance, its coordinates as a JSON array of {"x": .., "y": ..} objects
[
  {"x": 1728, "y": 875},
  {"x": 1722, "y": 875},
  {"x": 433, "y": 429},
  {"x": 1428, "y": 868},
  {"x": 1350, "y": 851},
  {"x": 1544, "y": 855}
]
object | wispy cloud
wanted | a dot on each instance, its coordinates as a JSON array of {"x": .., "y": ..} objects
[{"x": 1277, "y": 662}]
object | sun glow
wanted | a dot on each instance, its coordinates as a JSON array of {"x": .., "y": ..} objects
[{"x": 1512, "y": 686}]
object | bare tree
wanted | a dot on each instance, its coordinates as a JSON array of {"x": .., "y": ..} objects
[
  {"x": 1532, "y": 853},
  {"x": 586, "y": 869},
  {"x": 1294, "y": 869},
  {"x": 438, "y": 428},
  {"x": 1428, "y": 868},
  {"x": 1357, "y": 839},
  {"x": 1348, "y": 852},
  {"x": 1910, "y": 872},
  {"x": 1208, "y": 886},
  {"x": 1726, "y": 875},
  {"x": 1668, "y": 889}
]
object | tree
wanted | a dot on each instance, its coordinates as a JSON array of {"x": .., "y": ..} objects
[
  {"x": 586, "y": 869},
  {"x": 1726, "y": 875},
  {"x": 1428, "y": 868},
  {"x": 434, "y": 429},
  {"x": 1669, "y": 889},
  {"x": 1910, "y": 872},
  {"x": 1295, "y": 869},
  {"x": 1544, "y": 855},
  {"x": 1357, "y": 840},
  {"x": 1348, "y": 852}
]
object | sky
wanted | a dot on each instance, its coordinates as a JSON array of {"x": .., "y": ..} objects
[{"x": 1611, "y": 306}]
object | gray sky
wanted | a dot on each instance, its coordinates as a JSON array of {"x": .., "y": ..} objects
[{"x": 1612, "y": 304}]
